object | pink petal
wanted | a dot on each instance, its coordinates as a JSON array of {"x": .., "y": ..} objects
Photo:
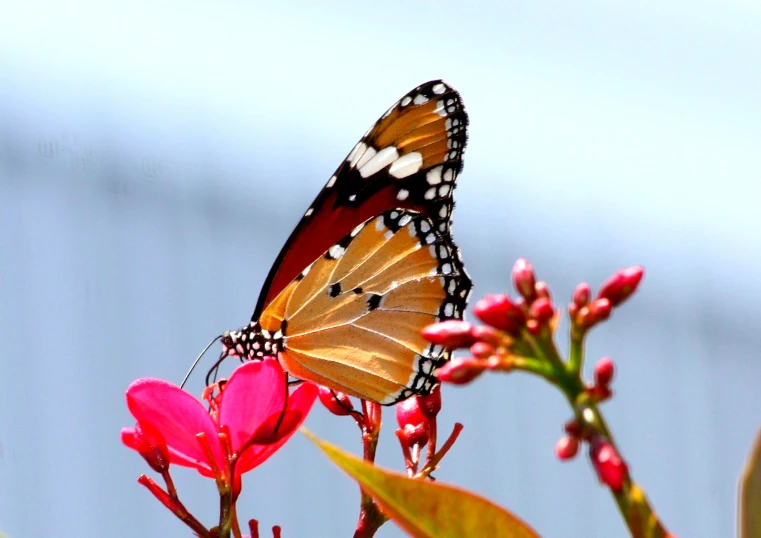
[
  {"x": 254, "y": 392},
  {"x": 128, "y": 438},
  {"x": 299, "y": 404},
  {"x": 179, "y": 417}
]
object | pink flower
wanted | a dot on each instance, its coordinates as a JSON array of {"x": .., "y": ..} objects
[{"x": 251, "y": 410}]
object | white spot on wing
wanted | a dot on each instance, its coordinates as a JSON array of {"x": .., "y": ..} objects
[
  {"x": 356, "y": 153},
  {"x": 402, "y": 194},
  {"x": 366, "y": 156},
  {"x": 430, "y": 193},
  {"x": 424, "y": 226},
  {"x": 379, "y": 224},
  {"x": 448, "y": 174},
  {"x": 441, "y": 109},
  {"x": 406, "y": 165},
  {"x": 434, "y": 176},
  {"x": 356, "y": 230},
  {"x": 331, "y": 182},
  {"x": 379, "y": 161},
  {"x": 406, "y": 101},
  {"x": 309, "y": 212},
  {"x": 404, "y": 220},
  {"x": 444, "y": 190},
  {"x": 336, "y": 251},
  {"x": 420, "y": 99},
  {"x": 439, "y": 88}
]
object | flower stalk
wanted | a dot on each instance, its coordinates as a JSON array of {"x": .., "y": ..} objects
[{"x": 519, "y": 335}]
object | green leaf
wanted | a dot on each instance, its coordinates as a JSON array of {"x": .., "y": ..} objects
[
  {"x": 750, "y": 493},
  {"x": 428, "y": 509}
]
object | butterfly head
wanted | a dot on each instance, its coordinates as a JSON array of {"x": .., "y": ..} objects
[{"x": 251, "y": 342}]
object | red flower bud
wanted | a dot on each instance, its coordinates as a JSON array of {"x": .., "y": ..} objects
[
  {"x": 482, "y": 350},
  {"x": 460, "y": 370},
  {"x": 408, "y": 412},
  {"x": 567, "y": 447},
  {"x": 573, "y": 428},
  {"x": 541, "y": 310},
  {"x": 148, "y": 441},
  {"x": 542, "y": 290},
  {"x": 598, "y": 393},
  {"x": 500, "y": 312},
  {"x": 581, "y": 295},
  {"x": 430, "y": 404},
  {"x": 610, "y": 468},
  {"x": 415, "y": 435},
  {"x": 604, "y": 371},
  {"x": 337, "y": 403},
  {"x": 452, "y": 333},
  {"x": 524, "y": 279},
  {"x": 485, "y": 333},
  {"x": 621, "y": 285},
  {"x": 413, "y": 422},
  {"x": 597, "y": 311}
]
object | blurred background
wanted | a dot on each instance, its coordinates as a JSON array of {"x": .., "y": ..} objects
[{"x": 155, "y": 155}]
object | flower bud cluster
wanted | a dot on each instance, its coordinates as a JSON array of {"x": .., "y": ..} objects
[
  {"x": 507, "y": 322},
  {"x": 586, "y": 312}
]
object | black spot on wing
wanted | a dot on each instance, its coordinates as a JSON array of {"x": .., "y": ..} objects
[
  {"x": 335, "y": 289},
  {"x": 373, "y": 301}
]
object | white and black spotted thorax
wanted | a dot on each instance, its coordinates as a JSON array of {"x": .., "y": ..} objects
[{"x": 252, "y": 342}]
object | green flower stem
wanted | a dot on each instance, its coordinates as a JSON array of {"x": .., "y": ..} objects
[
  {"x": 576, "y": 353},
  {"x": 631, "y": 501}
]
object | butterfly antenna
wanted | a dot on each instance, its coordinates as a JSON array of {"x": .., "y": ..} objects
[{"x": 195, "y": 362}]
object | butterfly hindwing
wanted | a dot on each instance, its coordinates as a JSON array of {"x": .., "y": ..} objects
[
  {"x": 357, "y": 326},
  {"x": 409, "y": 159}
]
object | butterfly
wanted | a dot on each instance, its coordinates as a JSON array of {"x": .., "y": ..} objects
[{"x": 372, "y": 261}]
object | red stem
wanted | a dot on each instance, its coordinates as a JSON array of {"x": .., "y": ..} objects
[{"x": 175, "y": 506}]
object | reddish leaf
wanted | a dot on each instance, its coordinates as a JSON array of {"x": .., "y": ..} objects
[
  {"x": 750, "y": 493},
  {"x": 428, "y": 509}
]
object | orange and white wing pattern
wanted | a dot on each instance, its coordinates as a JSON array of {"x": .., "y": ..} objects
[
  {"x": 409, "y": 159},
  {"x": 380, "y": 261},
  {"x": 352, "y": 320}
]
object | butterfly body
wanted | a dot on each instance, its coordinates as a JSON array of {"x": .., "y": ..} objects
[{"x": 372, "y": 261}]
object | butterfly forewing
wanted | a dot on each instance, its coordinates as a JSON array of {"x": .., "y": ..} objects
[{"x": 409, "y": 159}]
